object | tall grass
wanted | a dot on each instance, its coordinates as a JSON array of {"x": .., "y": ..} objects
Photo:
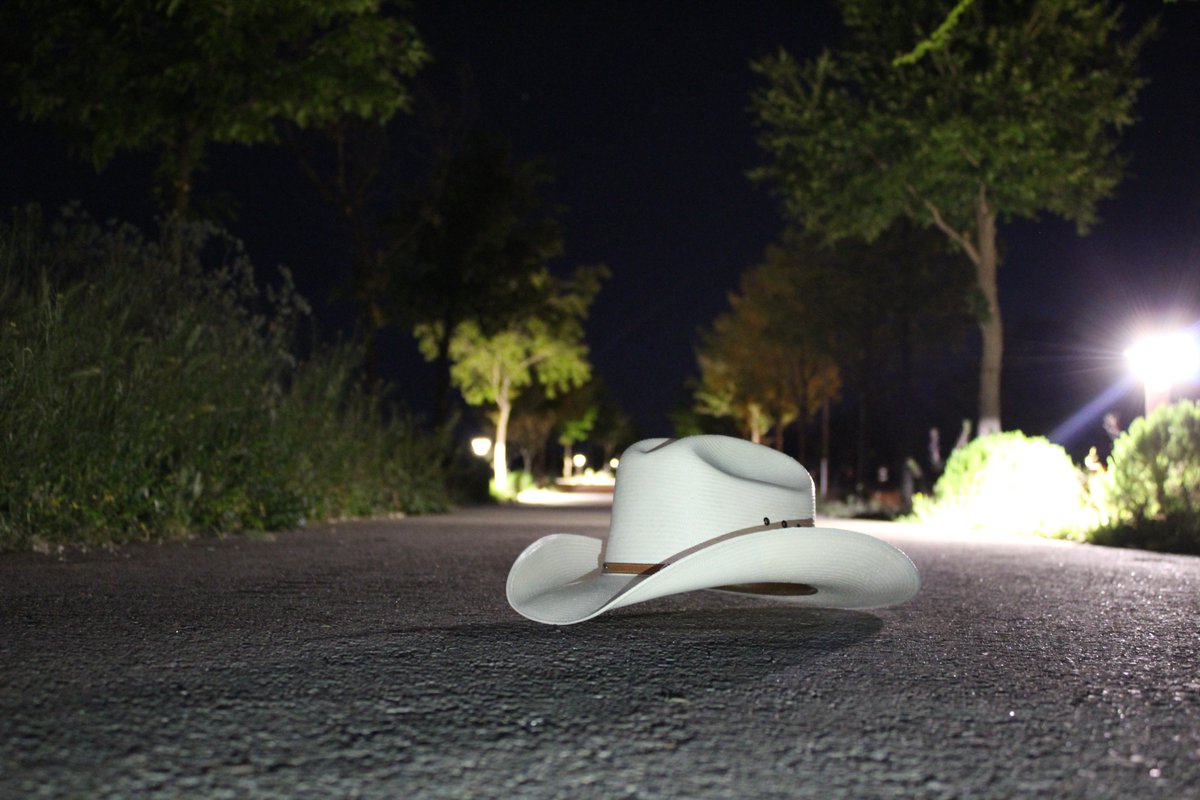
[{"x": 150, "y": 388}]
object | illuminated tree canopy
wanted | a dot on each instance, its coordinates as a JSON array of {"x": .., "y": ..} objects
[
  {"x": 812, "y": 318},
  {"x": 545, "y": 346},
  {"x": 1018, "y": 111},
  {"x": 472, "y": 245},
  {"x": 768, "y": 360}
]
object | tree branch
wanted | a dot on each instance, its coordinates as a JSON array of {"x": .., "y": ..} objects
[
  {"x": 306, "y": 164},
  {"x": 956, "y": 236},
  {"x": 937, "y": 39}
]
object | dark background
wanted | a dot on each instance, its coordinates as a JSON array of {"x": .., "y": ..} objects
[{"x": 641, "y": 110}]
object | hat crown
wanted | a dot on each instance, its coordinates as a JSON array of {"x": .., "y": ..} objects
[{"x": 675, "y": 494}]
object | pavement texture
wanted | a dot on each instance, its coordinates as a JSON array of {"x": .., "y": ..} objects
[{"x": 379, "y": 659}]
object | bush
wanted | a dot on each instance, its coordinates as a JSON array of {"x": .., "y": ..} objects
[
  {"x": 1151, "y": 496},
  {"x": 518, "y": 481},
  {"x": 151, "y": 389},
  {"x": 1012, "y": 483}
]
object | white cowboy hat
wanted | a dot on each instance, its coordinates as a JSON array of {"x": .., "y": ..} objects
[{"x": 707, "y": 512}]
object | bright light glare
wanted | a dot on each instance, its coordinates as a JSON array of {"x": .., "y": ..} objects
[
  {"x": 1163, "y": 359},
  {"x": 612, "y": 463},
  {"x": 480, "y": 446},
  {"x": 579, "y": 460},
  {"x": 549, "y": 497}
]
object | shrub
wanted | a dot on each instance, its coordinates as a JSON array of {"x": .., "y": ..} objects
[
  {"x": 1151, "y": 495},
  {"x": 151, "y": 389},
  {"x": 1008, "y": 482},
  {"x": 518, "y": 481}
]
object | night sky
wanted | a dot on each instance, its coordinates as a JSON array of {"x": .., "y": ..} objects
[{"x": 641, "y": 110}]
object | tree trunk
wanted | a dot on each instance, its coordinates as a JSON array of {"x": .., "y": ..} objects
[
  {"x": 175, "y": 169},
  {"x": 183, "y": 193},
  {"x": 181, "y": 180},
  {"x": 755, "y": 425},
  {"x": 800, "y": 387},
  {"x": 368, "y": 285},
  {"x": 441, "y": 375},
  {"x": 909, "y": 424},
  {"x": 982, "y": 252},
  {"x": 860, "y": 460},
  {"x": 991, "y": 326},
  {"x": 441, "y": 400},
  {"x": 370, "y": 345},
  {"x": 824, "y": 472},
  {"x": 345, "y": 189},
  {"x": 500, "y": 448}
]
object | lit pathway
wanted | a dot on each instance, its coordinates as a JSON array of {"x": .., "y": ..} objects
[{"x": 380, "y": 659}]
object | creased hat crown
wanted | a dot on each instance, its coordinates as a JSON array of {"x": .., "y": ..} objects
[{"x": 674, "y": 494}]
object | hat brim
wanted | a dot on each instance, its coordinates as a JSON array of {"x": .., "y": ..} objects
[{"x": 559, "y": 579}]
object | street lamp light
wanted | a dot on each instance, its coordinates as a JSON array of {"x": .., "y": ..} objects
[
  {"x": 480, "y": 446},
  {"x": 1161, "y": 360}
]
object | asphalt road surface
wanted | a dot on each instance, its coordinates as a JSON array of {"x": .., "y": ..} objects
[{"x": 380, "y": 659}]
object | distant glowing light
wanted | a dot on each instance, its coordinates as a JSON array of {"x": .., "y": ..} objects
[
  {"x": 588, "y": 478},
  {"x": 613, "y": 463},
  {"x": 1162, "y": 360},
  {"x": 481, "y": 445},
  {"x": 549, "y": 497},
  {"x": 1166, "y": 358},
  {"x": 579, "y": 460}
]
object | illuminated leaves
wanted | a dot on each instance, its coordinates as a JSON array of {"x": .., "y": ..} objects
[
  {"x": 809, "y": 318},
  {"x": 767, "y": 361},
  {"x": 473, "y": 246},
  {"x": 545, "y": 345},
  {"x": 1016, "y": 110},
  {"x": 1024, "y": 98},
  {"x": 1154, "y": 472}
]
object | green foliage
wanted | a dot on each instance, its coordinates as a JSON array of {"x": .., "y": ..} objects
[
  {"x": 472, "y": 246},
  {"x": 1017, "y": 109},
  {"x": 577, "y": 429},
  {"x": 768, "y": 360},
  {"x": 545, "y": 345},
  {"x": 470, "y": 242},
  {"x": 1151, "y": 496},
  {"x": 1010, "y": 483},
  {"x": 686, "y": 421},
  {"x": 588, "y": 412},
  {"x": 493, "y": 369},
  {"x": 809, "y": 318},
  {"x": 614, "y": 429},
  {"x": 1024, "y": 100},
  {"x": 937, "y": 39},
  {"x": 172, "y": 77},
  {"x": 520, "y": 481},
  {"x": 142, "y": 396}
]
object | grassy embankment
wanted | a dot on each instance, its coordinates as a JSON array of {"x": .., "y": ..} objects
[{"x": 153, "y": 389}]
